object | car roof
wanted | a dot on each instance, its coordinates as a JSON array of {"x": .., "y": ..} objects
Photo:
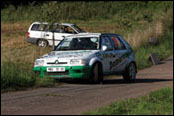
[
  {"x": 89, "y": 35},
  {"x": 66, "y": 24}
]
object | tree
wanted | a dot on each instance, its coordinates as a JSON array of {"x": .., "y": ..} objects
[
  {"x": 16, "y": 3},
  {"x": 50, "y": 13}
]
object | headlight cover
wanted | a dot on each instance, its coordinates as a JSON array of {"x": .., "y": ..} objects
[
  {"x": 39, "y": 63},
  {"x": 77, "y": 61}
]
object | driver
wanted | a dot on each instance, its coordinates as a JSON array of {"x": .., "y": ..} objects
[
  {"x": 66, "y": 29},
  {"x": 74, "y": 44},
  {"x": 88, "y": 44}
]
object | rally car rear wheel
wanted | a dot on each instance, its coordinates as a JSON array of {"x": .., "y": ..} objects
[
  {"x": 97, "y": 73},
  {"x": 130, "y": 73}
]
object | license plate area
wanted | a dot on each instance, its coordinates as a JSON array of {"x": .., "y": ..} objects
[{"x": 56, "y": 69}]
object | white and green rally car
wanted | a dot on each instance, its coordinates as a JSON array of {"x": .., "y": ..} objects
[{"x": 89, "y": 56}]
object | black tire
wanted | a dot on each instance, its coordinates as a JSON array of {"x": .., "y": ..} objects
[
  {"x": 97, "y": 73},
  {"x": 130, "y": 73},
  {"x": 42, "y": 43}
]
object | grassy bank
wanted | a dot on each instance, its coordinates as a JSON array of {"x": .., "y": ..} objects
[
  {"x": 135, "y": 21},
  {"x": 15, "y": 76},
  {"x": 156, "y": 103},
  {"x": 163, "y": 49}
]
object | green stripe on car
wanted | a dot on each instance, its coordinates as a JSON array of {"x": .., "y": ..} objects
[{"x": 70, "y": 72}]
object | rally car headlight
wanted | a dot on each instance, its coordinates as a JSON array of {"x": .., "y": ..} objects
[
  {"x": 77, "y": 61},
  {"x": 39, "y": 63}
]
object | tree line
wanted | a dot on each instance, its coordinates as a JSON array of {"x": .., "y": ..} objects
[{"x": 16, "y": 3}]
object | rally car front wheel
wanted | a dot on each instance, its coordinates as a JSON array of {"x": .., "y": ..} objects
[
  {"x": 130, "y": 73},
  {"x": 96, "y": 73}
]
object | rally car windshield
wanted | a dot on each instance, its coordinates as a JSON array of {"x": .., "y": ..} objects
[{"x": 87, "y": 43}]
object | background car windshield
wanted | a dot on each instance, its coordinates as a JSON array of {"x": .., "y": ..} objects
[
  {"x": 78, "y": 29},
  {"x": 90, "y": 43}
]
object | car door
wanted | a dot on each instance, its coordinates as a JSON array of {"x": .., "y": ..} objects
[
  {"x": 119, "y": 62},
  {"x": 127, "y": 53},
  {"x": 48, "y": 35},
  {"x": 108, "y": 55},
  {"x": 36, "y": 31}
]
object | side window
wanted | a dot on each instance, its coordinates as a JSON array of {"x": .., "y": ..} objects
[
  {"x": 106, "y": 41},
  {"x": 66, "y": 29},
  {"x": 70, "y": 30},
  {"x": 46, "y": 28},
  {"x": 118, "y": 45},
  {"x": 124, "y": 41},
  {"x": 58, "y": 29},
  {"x": 35, "y": 27},
  {"x": 38, "y": 27},
  {"x": 55, "y": 27},
  {"x": 114, "y": 42}
]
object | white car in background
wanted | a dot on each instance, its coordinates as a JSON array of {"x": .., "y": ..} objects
[{"x": 39, "y": 33}]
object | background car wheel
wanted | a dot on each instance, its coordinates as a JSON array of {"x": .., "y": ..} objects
[
  {"x": 130, "y": 73},
  {"x": 97, "y": 74},
  {"x": 42, "y": 43}
]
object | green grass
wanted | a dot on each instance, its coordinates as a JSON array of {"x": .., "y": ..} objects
[
  {"x": 156, "y": 103},
  {"x": 16, "y": 76}
]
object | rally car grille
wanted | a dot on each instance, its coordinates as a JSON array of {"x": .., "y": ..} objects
[
  {"x": 57, "y": 63},
  {"x": 58, "y": 73}
]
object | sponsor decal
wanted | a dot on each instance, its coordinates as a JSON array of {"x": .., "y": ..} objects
[
  {"x": 108, "y": 55},
  {"x": 67, "y": 54},
  {"x": 72, "y": 54},
  {"x": 118, "y": 60}
]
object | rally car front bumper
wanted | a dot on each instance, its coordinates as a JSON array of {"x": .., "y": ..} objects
[{"x": 70, "y": 72}]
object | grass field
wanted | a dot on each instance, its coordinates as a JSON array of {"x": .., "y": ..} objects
[
  {"x": 137, "y": 22},
  {"x": 156, "y": 103}
]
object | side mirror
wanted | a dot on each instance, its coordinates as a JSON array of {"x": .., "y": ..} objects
[
  {"x": 104, "y": 48},
  {"x": 63, "y": 37}
]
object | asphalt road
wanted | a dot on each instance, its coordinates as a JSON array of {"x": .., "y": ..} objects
[{"x": 78, "y": 97}]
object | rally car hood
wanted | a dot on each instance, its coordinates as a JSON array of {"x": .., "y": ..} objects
[{"x": 78, "y": 54}]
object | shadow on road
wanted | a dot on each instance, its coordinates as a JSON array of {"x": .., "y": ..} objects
[{"x": 114, "y": 81}]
